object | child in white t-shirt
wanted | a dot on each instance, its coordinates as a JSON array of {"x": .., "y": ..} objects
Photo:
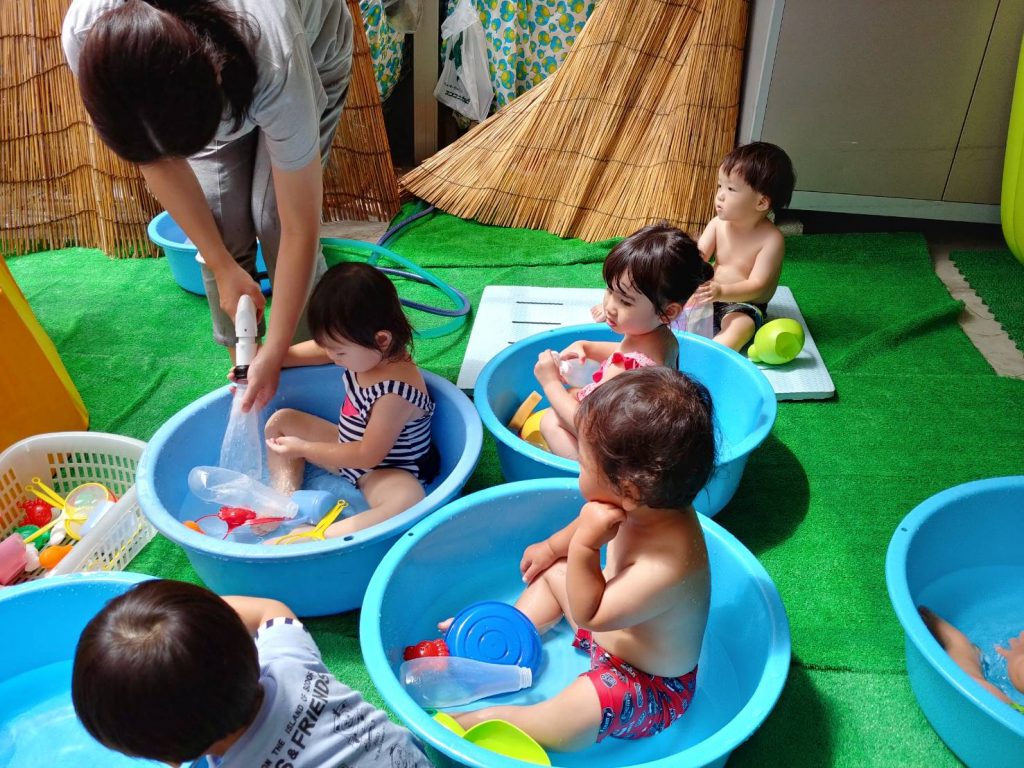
[{"x": 169, "y": 671}]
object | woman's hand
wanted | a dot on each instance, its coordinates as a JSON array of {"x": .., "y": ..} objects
[
  {"x": 261, "y": 379},
  {"x": 599, "y": 522},
  {"x": 233, "y": 282},
  {"x": 546, "y": 369},
  {"x": 537, "y": 558},
  {"x": 288, "y": 446},
  {"x": 1014, "y": 655}
]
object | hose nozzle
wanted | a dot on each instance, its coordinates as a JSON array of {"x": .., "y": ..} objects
[{"x": 246, "y": 329}]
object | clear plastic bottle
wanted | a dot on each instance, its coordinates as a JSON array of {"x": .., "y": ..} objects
[
  {"x": 576, "y": 372},
  {"x": 447, "y": 681},
  {"x": 228, "y": 488}
]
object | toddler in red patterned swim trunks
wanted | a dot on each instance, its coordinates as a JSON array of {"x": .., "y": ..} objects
[{"x": 641, "y": 617}]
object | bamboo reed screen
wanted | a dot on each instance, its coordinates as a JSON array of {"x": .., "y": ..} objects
[
  {"x": 630, "y": 130},
  {"x": 60, "y": 186}
]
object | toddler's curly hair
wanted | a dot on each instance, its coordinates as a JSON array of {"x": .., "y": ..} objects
[{"x": 651, "y": 432}]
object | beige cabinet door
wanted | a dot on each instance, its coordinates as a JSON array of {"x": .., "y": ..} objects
[
  {"x": 977, "y": 170},
  {"x": 870, "y": 97}
]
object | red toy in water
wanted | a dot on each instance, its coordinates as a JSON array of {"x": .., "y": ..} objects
[
  {"x": 37, "y": 512},
  {"x": 235, "y": 517},
  {"x": 427, "y": 648}
]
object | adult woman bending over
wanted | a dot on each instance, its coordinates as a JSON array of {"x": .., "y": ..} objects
[{"x": 229, "y": 107}]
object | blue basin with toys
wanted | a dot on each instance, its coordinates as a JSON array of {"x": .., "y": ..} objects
[
  {"x": 744, "y": 403},
  {"x": 470, "y": 551},
  {"x": 314, "y": 578}
]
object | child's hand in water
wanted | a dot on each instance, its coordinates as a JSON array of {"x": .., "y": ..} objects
[
  {"x": 597, "y": 312},
  {"x": 287, "y": 446},
  {"x": 546, "y": 369},
  {"x": 537, "y": 558},
  {"x": 599, "y": 522},
  {"x": 1014, "y": 655}
]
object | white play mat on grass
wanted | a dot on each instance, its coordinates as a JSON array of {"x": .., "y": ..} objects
[{"x": 508, "y": 313}]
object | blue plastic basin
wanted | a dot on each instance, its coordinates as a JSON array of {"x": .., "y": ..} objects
[
  {"x": 960, "y": 553},
  {"x": 40, "y": 623},
  {"x": 744, "y": 401},
  {"x": 470, "y": 551},
  {"x": 316, "y": 578},
  {"x": 181, "y": 254}
]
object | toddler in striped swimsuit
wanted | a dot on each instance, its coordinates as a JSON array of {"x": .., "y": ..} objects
[{"x": 381, "y": 441}]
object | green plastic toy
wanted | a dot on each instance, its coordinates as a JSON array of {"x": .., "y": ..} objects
[
  {"x": 777, "y": 342},
  {"x": 498, "y": 736},
  {"x": 1011, "y": 209}
]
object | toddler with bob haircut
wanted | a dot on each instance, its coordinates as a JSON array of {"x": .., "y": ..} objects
[
  {"x": 649, "y": 276},
  {"x": 169, "y": 671},
  {"x": 753, "y": 180},
  {"x": 647, "y": 447}
]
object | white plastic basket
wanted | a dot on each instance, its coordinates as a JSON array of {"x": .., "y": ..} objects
[{"x": 65, "y": 460}]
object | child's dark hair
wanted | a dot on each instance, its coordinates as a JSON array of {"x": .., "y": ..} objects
[
  {"x": 766, "y": 168},
  {"x": 661, "y": 262},
  {"x": 353, "y": 301},
  {"x": 653, "y": 428},
  {"x": 165, "y": 671},
  {"x": 157, "y": 77}
]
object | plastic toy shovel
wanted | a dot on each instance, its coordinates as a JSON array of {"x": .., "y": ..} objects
[
  {"x": 317, "y": 533},
  {"x": 505, "y": 739},
  {"x": 498, "y": 736}
]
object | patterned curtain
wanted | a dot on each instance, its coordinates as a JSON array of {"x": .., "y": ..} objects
[{"x": 527, "y": 40}]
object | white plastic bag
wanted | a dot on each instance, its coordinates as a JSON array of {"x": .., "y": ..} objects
[
  {"x": 242, "y": 447},
  {"x": 697, "y": 317},
  {"x": 465, "y": 83}
]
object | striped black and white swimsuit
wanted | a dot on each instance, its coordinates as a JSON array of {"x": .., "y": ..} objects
[{"x": 412, "y": 450}]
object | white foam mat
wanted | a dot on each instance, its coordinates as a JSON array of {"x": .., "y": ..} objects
[
  {"x": 508, "y": 313},
  {"x": 806, "y": 377}
]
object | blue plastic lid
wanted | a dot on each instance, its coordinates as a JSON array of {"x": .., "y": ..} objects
[{"x": 495, "y": 632}]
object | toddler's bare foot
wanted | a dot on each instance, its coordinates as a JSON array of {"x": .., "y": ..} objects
[{"x": 442, "y": 626}]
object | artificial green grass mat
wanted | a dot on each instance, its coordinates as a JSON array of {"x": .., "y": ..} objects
[
  {"x": 917, "y": 410},
  {"x": 998, "y": 279}
]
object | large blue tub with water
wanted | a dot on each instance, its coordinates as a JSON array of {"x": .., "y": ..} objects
[
  {"x": 40, "y": 623},
  {"x": 961, "y": 554},
  {"x": 315, "y": 578},
  {"x": 470, "y": 551},
  {"x": 745, "y": 406}
]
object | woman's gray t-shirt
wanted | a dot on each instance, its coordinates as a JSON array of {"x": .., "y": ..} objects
[{"x": 302, "y": 46}]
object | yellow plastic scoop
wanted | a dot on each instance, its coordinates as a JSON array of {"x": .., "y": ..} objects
[
  {"x": 506, "y": 739},
  {"x": 316, "y": 533},
  {"x": 84, "y": 500},
  {"x": 498, "y": 736}
]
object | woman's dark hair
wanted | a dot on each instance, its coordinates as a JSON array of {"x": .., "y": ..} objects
[
  {"x": 653, "y": 428},
  {"x": 766, "y": 168},
  {"x": 661, "y": 262},
  {"x": 158, "y": 77},
  {"x": 354, "y": 301},
  {"x": 164, "y": 671}
]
